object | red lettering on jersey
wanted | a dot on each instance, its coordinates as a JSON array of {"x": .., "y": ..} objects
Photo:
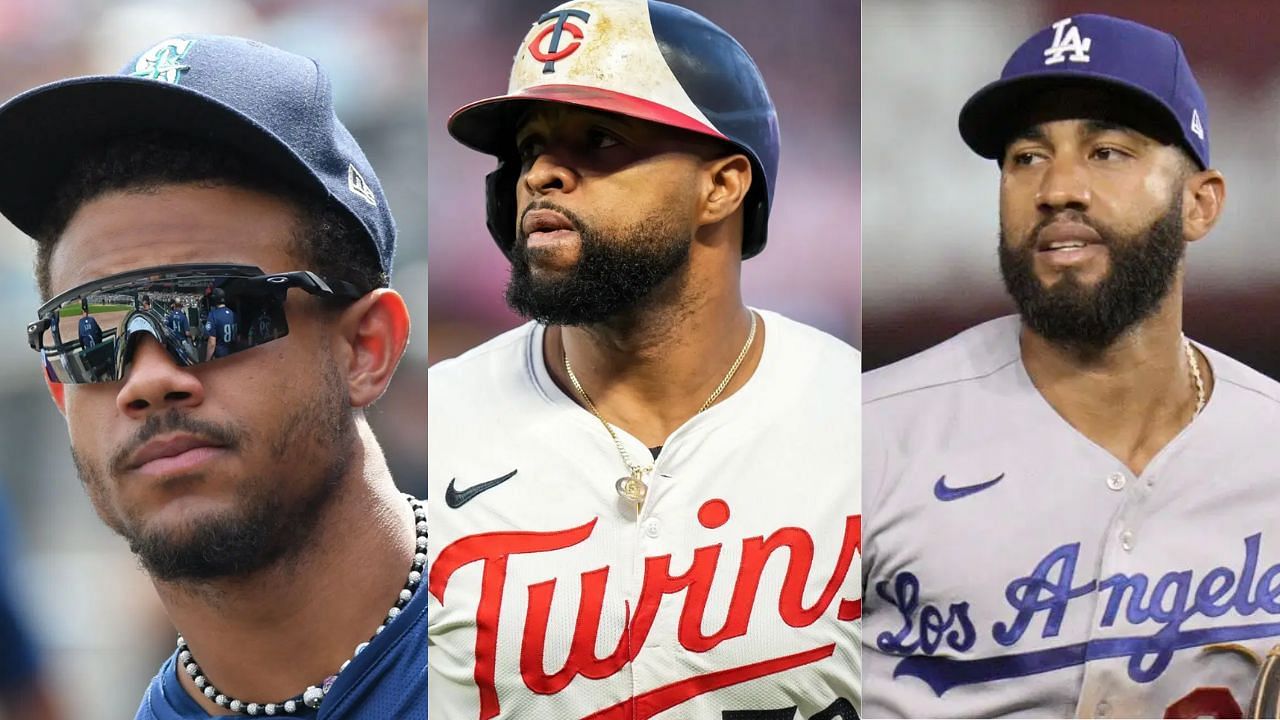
[
  {"x": 648, "y": 704},
  {"x": 495, "y": 548},
  {"x": 1206, "y": 702}
]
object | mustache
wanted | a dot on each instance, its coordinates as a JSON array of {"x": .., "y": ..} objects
[
  {"x": 1069, "y": 215},
  {"x": 226, "y": 435}
]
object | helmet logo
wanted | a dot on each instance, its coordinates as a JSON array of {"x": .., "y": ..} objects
[
  {"x": 164, "y": 61},
  {"x": 556, "y": 30}
]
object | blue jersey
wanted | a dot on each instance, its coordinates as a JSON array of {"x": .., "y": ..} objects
[
  {"x": 177, "y": 322},
  {"x": 90, "y": 333},
  {"x": 221, "y": 326},
  {"x": 386, "y": 681},
  {"x": 18, "y": 657}
]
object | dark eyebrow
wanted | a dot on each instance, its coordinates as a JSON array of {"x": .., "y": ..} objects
[
  {"x": 1032, "y": 133},
  {"x": 1095, "y": 127}
]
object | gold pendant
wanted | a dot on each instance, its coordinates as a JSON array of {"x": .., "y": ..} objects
[{"x": 632, "y": 487}]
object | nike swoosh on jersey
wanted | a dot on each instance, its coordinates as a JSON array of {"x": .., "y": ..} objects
[
  {"x": 455, "y": 498},
  {"x": 947, "y": 494}
]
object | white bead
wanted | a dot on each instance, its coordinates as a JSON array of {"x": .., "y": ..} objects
[
  {"x": 313, "y": 697},
  {"x": 236, "y": 705},
  {"x": 360, "y": 648},
  {"x": 252, "y": 708},
  {"x": 420, "y": 559},
  {"x": 210, "y": 691},
  {"x": 422, "y": 543},
  {"x": 422, "y": 527},
  {"x": 344, "y": 665},
  {"x": 193, "y": 669},
  {"x": 406, "y": 595},
  {"x": 222, "y": 700},
  {"x": 379, "y": 630},
  {"x": 414, "y": 577},
  {"x": 290, "y": 706},
  {"x": 269, "y": 708},
  {"x": 200, "y": 681},
  {"x": 184, "y": 657}
]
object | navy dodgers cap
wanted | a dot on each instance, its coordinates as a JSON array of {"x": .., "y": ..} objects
[
  {"x": 1147, "y": 65},
  {"x": 273, "y": 106}
]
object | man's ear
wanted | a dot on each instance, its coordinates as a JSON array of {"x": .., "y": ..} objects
[
  {"x": 725, "y": 184},
  {"x": 1204, "y": 194},
  {"x": 375, "y": 332}
]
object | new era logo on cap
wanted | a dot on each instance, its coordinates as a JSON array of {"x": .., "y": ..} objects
[
  {"x": 1196, "y": 127},
  {"x": 357, "y": 185},
  {"x": 1067, "y": 44}
]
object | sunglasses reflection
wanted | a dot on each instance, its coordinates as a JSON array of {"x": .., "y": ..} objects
[{"x": 95, "y": 335}]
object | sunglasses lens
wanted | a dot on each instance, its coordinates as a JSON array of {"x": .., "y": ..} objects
[{"x": 90, "y": 336}]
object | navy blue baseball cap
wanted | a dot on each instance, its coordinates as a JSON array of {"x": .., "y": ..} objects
[
  {"x": 273, "y": 106},
  {"x": 1147, "y": 67}
]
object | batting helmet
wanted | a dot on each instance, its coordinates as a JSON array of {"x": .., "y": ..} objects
[{"x": 644, "y": 59}]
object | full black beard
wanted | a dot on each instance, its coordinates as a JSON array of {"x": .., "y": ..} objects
[
  {"x": 1090, "y": 319},
  {"x": 267, "y": 526},
  {"x": 614, "y": 275}
]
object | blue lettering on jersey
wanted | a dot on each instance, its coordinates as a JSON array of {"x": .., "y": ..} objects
[{"x": 1168, "y": 602}]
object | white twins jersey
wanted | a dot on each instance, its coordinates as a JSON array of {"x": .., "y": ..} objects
[
  {"x": 735, "y": 592},
  {"x": 1014, "y": 568}
]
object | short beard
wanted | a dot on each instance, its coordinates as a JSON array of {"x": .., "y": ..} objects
[
  {"x": 1090, "y": 319},
  {"x": 615, "y": 275},
  {"x": 268, "y": 525}
]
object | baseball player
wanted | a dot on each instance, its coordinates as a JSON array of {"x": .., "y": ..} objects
[
  {"x": 220, "y": 326},
  {"x": 251, "y": 487},
  {"x": 651, "y": 496},
  {"x": 1068, "y": 508},
  {"x": 90, "y": 332}
]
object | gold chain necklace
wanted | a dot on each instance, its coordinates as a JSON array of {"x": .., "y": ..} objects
[
  {"x": 1196, "y": 379},
  {"x": 632, "y": 486}
]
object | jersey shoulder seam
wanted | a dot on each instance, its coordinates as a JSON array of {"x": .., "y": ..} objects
[{"x": 942, "y": 383}]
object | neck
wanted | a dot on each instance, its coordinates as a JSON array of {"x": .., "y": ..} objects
[
  {"x": 651, "y": 370},
  {"x": 265, "y": 637},
  {"x": 1131, "y": 397}
]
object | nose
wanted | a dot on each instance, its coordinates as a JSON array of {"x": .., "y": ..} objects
[
  {"x": 1064, "y": 185},
  {"x": 154, "y": 383},
  {"x": 548, "y": 172}
]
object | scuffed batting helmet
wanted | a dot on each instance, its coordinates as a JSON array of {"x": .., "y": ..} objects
[{"x": 640, "y": 58}]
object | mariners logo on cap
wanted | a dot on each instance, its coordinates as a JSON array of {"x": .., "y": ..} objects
[
  {"x": 555, "y": 50},
  {"x": 163, "y": 62},
  {"x": 1067, "y": 44}
]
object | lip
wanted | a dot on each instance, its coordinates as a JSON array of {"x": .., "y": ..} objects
[
  {"x": 544, "y": 221},
  {"x": 171, "y": 454},
  {"x": 1066, "y": 235}
]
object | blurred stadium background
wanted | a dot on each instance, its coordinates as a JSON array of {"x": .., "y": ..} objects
[
  {"x": 930, "y": 221},
  {"x": 808, "y": 52},
  {"x": 94, "y": 614}
]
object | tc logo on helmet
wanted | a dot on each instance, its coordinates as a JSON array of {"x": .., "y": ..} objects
[{"x": 557, "y": 30}]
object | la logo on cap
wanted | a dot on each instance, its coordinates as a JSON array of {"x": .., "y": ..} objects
[
  {"x": 163, "y": 62},
  {"x": 1067, "y": 44}
]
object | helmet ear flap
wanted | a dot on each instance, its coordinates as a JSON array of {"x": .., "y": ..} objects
[{"x": 500, "y": 203}]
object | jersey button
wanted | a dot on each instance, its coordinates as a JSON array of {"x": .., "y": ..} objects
[
  {"x": 1126, "y": 540},
  {"x": 1102, "y": 709},
  {"x": 1116, "y": 481},
  {"x": 652, "y": 526}
]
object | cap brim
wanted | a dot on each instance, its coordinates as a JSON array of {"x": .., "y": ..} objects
[
  {"x": 999, "y": 110},
  {"x": 44, "y": 131},
  {"x": 489, "y": 125}
]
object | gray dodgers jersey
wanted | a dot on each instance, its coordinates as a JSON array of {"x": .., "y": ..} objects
[
  {"x": 734, "y": 593},
  {"x": 1014, "y": 568}
]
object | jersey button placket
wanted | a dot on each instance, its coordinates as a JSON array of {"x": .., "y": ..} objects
[{"x": 1116, "y": 481}]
